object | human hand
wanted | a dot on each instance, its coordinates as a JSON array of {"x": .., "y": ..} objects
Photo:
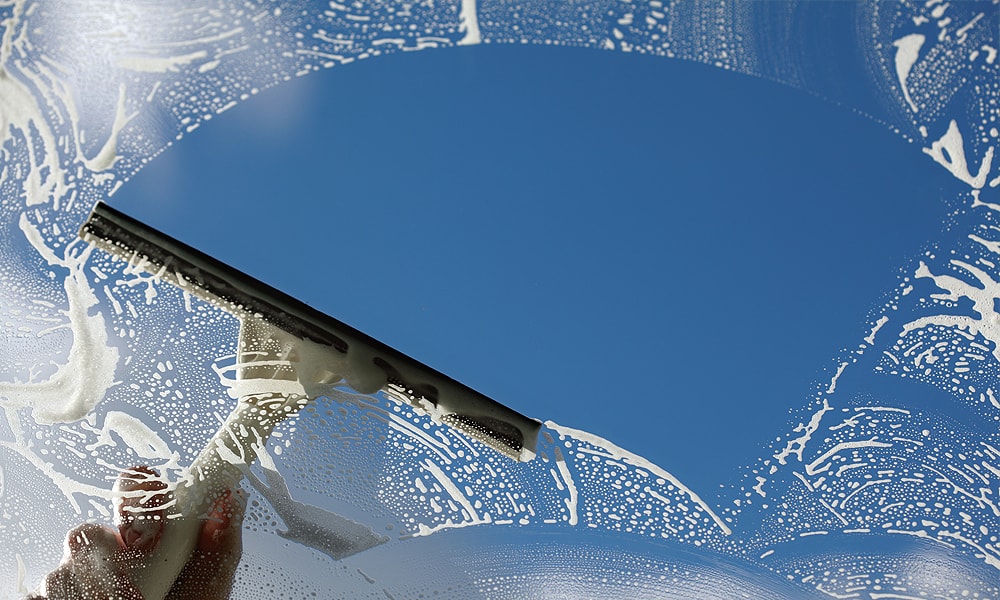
[{"x": 100, "y": 563}]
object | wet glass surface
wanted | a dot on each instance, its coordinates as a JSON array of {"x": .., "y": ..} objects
[{"x": 706, "y": 455}]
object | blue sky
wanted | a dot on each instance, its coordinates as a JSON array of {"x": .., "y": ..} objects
[{"x": 659, "y": 252}]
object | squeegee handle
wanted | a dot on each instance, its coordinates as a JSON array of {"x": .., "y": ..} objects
[{"x": 216, "y": 470}]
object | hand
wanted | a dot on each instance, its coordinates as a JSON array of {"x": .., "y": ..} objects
[{"x": 99, "y": 561}]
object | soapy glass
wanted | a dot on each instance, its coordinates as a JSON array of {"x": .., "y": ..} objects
[{"x": 108, "y": 369}]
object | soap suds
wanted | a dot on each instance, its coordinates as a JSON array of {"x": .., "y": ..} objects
[{"x": 907, "y": 51}]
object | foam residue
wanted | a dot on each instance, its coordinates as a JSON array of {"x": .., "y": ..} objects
[
  {"x": 469, "y": 23},
  {"x": 82, "y": 381},
  {"x": 615, "y": 453},
  {"x": 907, "y": 51},
  {"x": 949, "y": 152},
  {"x": 596, "y": 482}
]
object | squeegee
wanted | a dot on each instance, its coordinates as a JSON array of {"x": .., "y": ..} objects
[
  {"x": 371, "y": 364},
  {"x": 289, "y": 353}
]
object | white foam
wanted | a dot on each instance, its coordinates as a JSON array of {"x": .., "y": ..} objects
[
  {"x": 136, "y": 435},
  {"x": 907, "y": 51},
  {"x": 574, "y": 494},
  {"x": 83, "y": 380},
  {"x": 870, "y": 338},
  {"x": 108, "y": 154},
  {"x": 472, "y": 516},
  {"x": 469, "y": 23},
  {"x": 833, "y": 381},
  {"x": 949, "y": 152},
  {"x": 160, "y": 64},
  {"x": 19, "y": 586},
  {"x": 982, "y": 296},
  {"x": 637, "y": 461},
  {"x": 20, "y": 113},
  {"x": 797, "y": 446}
]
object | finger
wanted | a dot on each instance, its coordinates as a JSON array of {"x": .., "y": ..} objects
[
  {"x": 209, "y": 573},
  {"x": 90, "y": 567},
  {"x": 223, "y": 528},
  {"x": 89, "y": 539},
  {"x": 139, "y": 516},
  {"x": 62, "y": 583}
]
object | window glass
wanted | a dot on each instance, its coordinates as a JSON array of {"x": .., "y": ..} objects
[{"x": 738, "y": 259}]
